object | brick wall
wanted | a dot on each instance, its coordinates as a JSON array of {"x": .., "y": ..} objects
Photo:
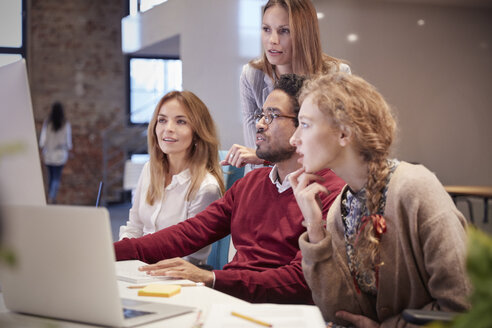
[{"x": 74, "y": 56}]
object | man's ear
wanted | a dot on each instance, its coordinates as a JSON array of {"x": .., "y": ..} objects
[{"x": 344, "y": 136}]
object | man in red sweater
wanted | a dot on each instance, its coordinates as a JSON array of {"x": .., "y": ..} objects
[{"x": 259, "y": 211}]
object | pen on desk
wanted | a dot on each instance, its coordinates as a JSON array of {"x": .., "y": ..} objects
[
  {"x": 245, "y": 317},
  {"x": 195, "y": 284},
  {"x": 198, "y": 322}
]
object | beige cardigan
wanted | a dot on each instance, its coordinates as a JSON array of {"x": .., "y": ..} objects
[{"x": 423, "y": 251}]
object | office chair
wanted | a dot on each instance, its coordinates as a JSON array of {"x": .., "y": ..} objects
[{"x": 219, "y": 256}]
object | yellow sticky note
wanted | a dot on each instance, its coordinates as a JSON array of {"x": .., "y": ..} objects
[{"x": 159, "y": 290}]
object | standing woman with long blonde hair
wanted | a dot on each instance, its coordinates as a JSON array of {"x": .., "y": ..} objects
[
  {"x": 183, "y": 175},
  {"x": 393, "y": 239},
  {"x": 291, "y": 44}
]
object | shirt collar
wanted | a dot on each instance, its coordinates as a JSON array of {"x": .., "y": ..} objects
[
  {"x": 180, "y": 178},
  {"x": 281, "y": 187}
]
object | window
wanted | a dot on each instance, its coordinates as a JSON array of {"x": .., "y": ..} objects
[
  {"x": 150, "y": 79},
  {"x": 12, "y": 30},
  {"x": 137, "y": 6}
]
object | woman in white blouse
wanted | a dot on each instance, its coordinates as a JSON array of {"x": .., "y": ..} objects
[{"x": 183, "y": 175}]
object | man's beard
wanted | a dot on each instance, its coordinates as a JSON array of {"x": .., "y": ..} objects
[{"x": 276, "y": 155}]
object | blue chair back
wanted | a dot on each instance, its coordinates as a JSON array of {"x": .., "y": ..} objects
[
  {"x": 231, "y": 173},
  {"x": 219, "y": 256}
]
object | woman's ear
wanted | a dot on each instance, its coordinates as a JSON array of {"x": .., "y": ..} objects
[{"x": 344, "y": 136}]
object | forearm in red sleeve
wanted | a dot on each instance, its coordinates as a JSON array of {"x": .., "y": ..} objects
[
  {"x": 178, "y": 240},
  {"x": 284, "y": 284}
]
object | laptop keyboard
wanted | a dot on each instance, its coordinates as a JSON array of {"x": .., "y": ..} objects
[{"x": 131, "y": 313}]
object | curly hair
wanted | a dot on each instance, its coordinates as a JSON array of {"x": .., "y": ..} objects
[
  {"x": 291, "y": 84},
  {"x": 353, "y": 103}
]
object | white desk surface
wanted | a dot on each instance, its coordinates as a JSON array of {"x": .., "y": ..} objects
[{"x": 200, "y": 297}]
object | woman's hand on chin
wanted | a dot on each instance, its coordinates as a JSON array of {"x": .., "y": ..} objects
[{"x": 306, "y": 191}]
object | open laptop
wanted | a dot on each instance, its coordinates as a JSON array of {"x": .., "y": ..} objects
[
  {"x": 65, "y": 268},
  {"x": 21, "y": 178}
]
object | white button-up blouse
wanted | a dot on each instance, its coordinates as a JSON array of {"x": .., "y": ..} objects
[{"x": 171, "y": 209}]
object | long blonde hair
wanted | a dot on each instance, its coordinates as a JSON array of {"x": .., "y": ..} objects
[
  {"x": 353, "y": 103},
  {"x": 202, "y": 154},
  {"x": 307, "y": 56}
]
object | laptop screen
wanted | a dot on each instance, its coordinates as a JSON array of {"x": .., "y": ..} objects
[{"x": 64, "y": 267}]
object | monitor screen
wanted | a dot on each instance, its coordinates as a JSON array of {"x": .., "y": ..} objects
[{"x": 21, "y": 179}]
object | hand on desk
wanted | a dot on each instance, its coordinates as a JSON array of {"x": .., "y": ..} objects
[
  {"x": 357, "y": 320},
  {"x": 179, "y": 268}
]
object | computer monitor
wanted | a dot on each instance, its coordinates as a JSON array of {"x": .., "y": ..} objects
[{"x": 21, "y": 178}]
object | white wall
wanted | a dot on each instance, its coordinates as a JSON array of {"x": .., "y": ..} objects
[
  {"x": 437, "y": 76},
  {"x": 212, "y": 46}
]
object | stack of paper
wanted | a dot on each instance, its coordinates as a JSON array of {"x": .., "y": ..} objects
[{"x": 266, "y": 315}]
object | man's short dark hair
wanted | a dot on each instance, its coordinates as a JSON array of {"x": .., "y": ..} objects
[{"x": 291, "y": 84}]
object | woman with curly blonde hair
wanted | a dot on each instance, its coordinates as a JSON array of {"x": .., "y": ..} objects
[
  {"x": 183, "y": 175},
  {"x": 393, "y": 239}
]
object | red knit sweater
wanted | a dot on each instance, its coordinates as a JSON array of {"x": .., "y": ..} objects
[{"x": 265, "y": 226}]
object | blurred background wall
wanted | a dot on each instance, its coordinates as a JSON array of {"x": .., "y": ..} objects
[
  {"x": 74, "y": 56},
  {"x": 433, "y": 63}
]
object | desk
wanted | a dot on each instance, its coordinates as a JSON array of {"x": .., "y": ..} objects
[
  {"x": 484, "y": 192},
  {"x": 199, "y": 297}
]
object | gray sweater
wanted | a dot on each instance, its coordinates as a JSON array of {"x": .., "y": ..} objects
[{"x": 423, "y": 251}]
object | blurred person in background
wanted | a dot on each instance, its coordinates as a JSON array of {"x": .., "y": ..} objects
[{"x": 55, "y": 142}]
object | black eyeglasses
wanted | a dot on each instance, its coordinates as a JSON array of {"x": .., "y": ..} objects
[{"x": 269, "y": 116}]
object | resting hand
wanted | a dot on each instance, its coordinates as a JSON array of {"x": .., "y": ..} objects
[
  {"x": 179, "y": 268},
  {"x": 357, "y": 320},
  {"x": 306, "y": 194},
  {"x": 239, "y": 156}
]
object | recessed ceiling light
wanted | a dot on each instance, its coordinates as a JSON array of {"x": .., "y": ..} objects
[
  {"x": 421, "y": 22},
  {"x": 352, "y": 37},
  {"x": 320, "y": 15}
]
